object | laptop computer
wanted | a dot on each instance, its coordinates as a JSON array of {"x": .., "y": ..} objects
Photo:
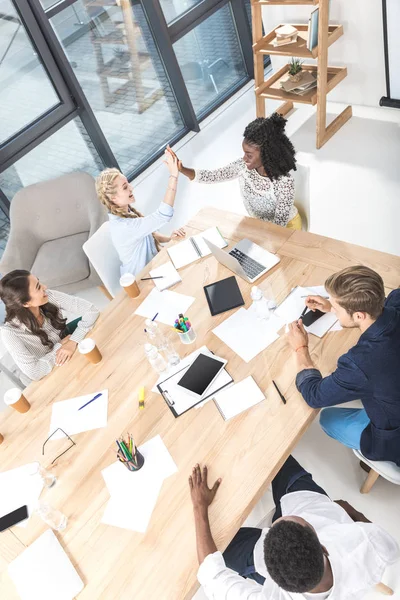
[{"x": 246, "y": 259}]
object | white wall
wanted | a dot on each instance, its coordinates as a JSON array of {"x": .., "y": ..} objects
[{"x": 360, "y": 48}]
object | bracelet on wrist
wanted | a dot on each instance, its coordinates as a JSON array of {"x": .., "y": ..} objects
[{"x": 300, "y": 347}]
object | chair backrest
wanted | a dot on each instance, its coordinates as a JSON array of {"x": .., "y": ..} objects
[
  {"x": 302, "y": 194},
  {"x": 57, "y": 208},
  {"x": 101, "y": 253}
]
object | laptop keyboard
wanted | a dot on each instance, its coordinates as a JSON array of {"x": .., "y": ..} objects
[{"x": 251, "y": 267}]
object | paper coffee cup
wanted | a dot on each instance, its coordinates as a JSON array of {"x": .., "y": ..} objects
[
  {"x": 129, "y": 283},
  {"x": 90, "y": 350},
  {"x": 17, "y": 400}
]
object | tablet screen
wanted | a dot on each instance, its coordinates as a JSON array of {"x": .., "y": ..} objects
[
  {"x": 201, "y": 374},
  {"x": 223, "y": 295}
]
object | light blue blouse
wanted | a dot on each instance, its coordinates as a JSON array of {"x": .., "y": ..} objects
[{"x": 133, "y": 240}]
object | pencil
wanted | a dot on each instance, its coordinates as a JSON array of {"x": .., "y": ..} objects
[
  {"x": 150, "y": 278},
  {"x": 280, "y": 394}
]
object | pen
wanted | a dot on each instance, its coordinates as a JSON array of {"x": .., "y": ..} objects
[
  {"x": 155, "y": 316},
  {"x": 303, "y": 313},
  {"x": 92, "y": 400},
  {"x": 281, "y": 395},
  {"x": 148, "y": 278}
]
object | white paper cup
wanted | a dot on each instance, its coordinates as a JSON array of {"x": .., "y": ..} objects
[
  {"x": 15, "y": 398},
  {"x": 90, "y": 350},
  {"x": 129, "y": 283}
]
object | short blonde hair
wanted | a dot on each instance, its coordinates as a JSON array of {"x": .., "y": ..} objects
[{"x": 356, "y": 289}]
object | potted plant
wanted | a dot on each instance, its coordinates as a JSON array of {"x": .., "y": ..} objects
[{"x": 295, "y": 70}]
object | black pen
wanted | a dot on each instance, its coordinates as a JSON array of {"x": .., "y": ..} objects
[
  {"x": 148, "y": 278},
  {"x": 280, "y": 394},
  {"x": 303, "y": 313}
]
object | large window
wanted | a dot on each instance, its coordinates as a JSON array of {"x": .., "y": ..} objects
[{"x": 86, "y": 84}]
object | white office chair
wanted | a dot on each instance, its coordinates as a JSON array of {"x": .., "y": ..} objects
[
  {"x": 388, "y": 470},
  {"x": 101, "y": 253}
]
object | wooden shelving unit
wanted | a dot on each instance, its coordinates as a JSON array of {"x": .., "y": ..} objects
[{"x": 327, "y": 77}]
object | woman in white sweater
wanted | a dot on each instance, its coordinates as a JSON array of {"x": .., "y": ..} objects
[
  {"x": 265, "y": 181},
  {"x": 35, "y": 332}
]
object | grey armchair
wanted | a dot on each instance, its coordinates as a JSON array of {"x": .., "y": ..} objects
[{"x": 49, "y": 223}]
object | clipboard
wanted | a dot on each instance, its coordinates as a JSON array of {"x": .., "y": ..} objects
[{"x": 179, "y": 401}]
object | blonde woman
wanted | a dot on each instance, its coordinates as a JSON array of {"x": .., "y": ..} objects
[{"x": 134, "y": 236}]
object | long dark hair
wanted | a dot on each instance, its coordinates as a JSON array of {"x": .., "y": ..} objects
[
  {"x": 14, "y": 291},
  {"x": 277, "y": 151}
]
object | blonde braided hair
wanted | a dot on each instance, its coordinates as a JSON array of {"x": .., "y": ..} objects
[{"x": 106, "y": 188}]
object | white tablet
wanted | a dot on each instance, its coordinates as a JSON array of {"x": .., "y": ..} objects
[{"x": 201, "y": 373}]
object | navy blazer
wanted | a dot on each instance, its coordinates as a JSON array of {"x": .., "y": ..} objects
[{"x": 370, "y": 371}]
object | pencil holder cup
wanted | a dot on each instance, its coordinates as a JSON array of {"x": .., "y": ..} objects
[
  {"x": 187, "y": 337},
  {"x": 133, "y": 465}
]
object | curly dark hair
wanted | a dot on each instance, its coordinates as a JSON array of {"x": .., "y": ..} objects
[
  {"x": 294, "y": 557},
  {"x": 277, "y": 151},
  {"x": 14, "y": 291}
]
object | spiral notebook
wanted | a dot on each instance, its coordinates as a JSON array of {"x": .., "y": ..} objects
[{"x": 193, "y": 248}]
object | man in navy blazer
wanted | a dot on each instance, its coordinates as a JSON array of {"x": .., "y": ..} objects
[{"x": 370, "y": 371}]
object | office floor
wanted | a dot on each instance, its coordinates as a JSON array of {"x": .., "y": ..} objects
[{"x": 353, "y": 187}]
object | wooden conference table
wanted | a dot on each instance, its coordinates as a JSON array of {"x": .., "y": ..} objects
[{"x": 246, "y": 452}]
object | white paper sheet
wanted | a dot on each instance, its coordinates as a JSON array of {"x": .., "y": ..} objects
[
  {"x": 293, "y": 305},
  {"x": 167, "y": 304},
  {"x": 44, "y": 572},
  {"x": 238, "y": 398},
  {"x": 185, "y": 253},
  {"x": 246, "y": 334},
  {"x": 65, "y": 414},
  {"x": 134, "y": 494},
  {"x": 170, "y": 276},
  {"x": 18, "y": 487}
]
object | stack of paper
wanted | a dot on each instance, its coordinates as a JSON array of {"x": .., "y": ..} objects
[
  {"x": 238, "y": 398},
  {"x": 19, "y": 487},
  {"x": 44, "y": 572},
  {"x": 166, "y": 305},
  {"x": 134, "y": 494},
  {"x": 246, "y": 334},
  {"x": 67, "y": 416},
  {"x": 292, "y": 307},
  {"x": 169, "y": 274},
  {"x": 194, "y": 247}
]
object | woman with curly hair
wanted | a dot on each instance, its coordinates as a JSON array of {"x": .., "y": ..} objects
[{"x": 265, "y": 181}]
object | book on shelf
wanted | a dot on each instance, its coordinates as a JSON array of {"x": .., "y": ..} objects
[
  {"x": 278, "y": 42},
  {"x": 312, "y": 38},
  {"x": 306, "y": 83},
  {"x": 286, "y": 34}
]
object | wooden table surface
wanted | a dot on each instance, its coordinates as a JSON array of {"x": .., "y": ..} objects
[{"x": 246, "y": 451}]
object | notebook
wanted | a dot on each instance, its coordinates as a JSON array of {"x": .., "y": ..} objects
[
  {"x": 44, "y": 572},
  {"x": 238, "y": 398},
  {"x": 170, "y": 276},
  {"x": 194, "y": 247}
]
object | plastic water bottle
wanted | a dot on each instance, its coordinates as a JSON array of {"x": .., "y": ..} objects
[
  {"x": 53, "y": 517},
  {"x": 260, "y": 303},
  {"x": 162, "y": 343},
  {"x": 155, "y": 358}
]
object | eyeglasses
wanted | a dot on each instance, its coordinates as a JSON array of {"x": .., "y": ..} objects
[{"x": 66, "y": 435}]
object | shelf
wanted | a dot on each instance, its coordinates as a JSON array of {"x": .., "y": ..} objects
[
  {"x": 271, "y": 88},
  {"x": 282, "y": 2},
  {"x": 299, "y": 48}
]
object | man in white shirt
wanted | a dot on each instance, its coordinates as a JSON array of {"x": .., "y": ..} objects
[{"x": 315, "y": 549}]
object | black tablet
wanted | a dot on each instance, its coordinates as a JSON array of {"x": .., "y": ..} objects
[{"x": 223, "y": 295}]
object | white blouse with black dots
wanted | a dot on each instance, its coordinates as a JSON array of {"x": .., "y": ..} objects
[{"x": 264, "y": 199}]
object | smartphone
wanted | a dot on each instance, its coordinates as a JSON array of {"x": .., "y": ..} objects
[
  {"x": 312, "y": 316},
  {"x": 14, "y": 517},
  {"x": 201, "y": 374}
]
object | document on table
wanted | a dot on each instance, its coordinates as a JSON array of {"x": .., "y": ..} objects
[
  {"x": 20, "y": 486},
  {"x": 169, "y": 274},
  {"x": 65, "y": 414},
  {"x": 44, "y": 572},
  {"x": 293, "y": 305},
  {"x": 238, "y": 398},
  {"x": 134, "y": 494},
  {"x": 247, "y": 335},
  {"x": 167, "y": 304},
  {"x": 193, "y": 248}
]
